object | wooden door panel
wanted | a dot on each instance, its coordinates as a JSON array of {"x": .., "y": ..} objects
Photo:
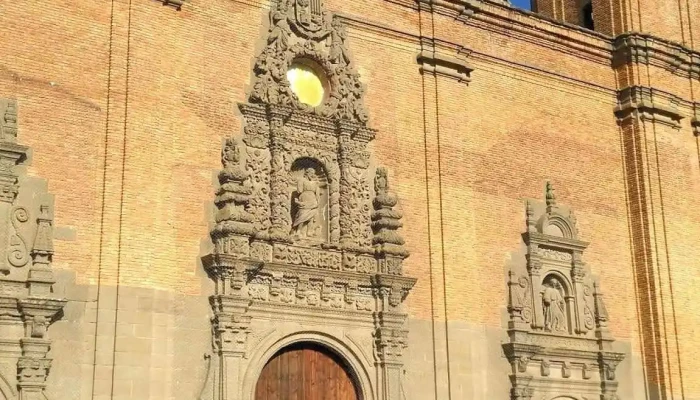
[{"x": 305, "y": 372}]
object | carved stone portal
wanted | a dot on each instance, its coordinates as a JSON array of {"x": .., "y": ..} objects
[
  {"x": 559, "y": 341},
  {"x": 27, "y": 305},
  {"x": 302, "y": 248}
]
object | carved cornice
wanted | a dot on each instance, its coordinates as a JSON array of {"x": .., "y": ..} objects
[
  {"x": 177, "y": 4},
  {"x": 648, "y": 104},
  {"x": 639, "y": 48},
  {"x": 444, "y": 65},
  {"x": 501, "y": 18}
]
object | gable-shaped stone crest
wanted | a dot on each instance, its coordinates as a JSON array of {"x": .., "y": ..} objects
[
  {"x": 306, "y": 239},
  {"x": 559, "y": 343}
]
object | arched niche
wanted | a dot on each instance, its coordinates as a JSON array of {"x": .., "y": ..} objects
[
  {"x": 557, "y": 303},
  {"x": 309, "y": 201}
]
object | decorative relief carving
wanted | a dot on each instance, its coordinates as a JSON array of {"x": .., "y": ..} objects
[
  {"x": 564, "y": 329},
  {"x": 295, "y": 231},
  {"x": 322, "y": 259},
  {"x": 520, "y": 306},
  {"x": 321, "y": 39},
  {"x": 554, "y": 308},
  {"x": 18, "y": 255},
  {"x": 309, "y": 206},
  {"x": 553, "y": 254},
  {"x": 26, "y": 246}
]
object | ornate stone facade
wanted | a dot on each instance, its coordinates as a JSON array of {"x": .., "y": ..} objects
[
  {"x": 302, "y": 244},
  {"x": 28, "y": 306},
  {"x": 559, "y": 343}
]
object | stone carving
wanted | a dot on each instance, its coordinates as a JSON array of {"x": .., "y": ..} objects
[
  {"x": 306, "y": 201},
  {"x": 232, "y": 219},
  {"x": 296, "y": 32},
  {"x": 554, "y": 308},
  {"x": 26, "y": 246},
  {"x": 385, "y": 220},
  {"x": 298, "y": 238},
  {"x": 520, "y": 290},
  {"x": 555, "y": 317},
  {"x": 18, "y": 254},
  {"x": 554, "y": 255}
]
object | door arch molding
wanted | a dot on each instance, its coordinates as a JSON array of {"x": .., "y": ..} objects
[{"x": 270, "y": 347}]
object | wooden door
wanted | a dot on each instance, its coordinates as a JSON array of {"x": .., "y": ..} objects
[{"x": 305, "y": 372}]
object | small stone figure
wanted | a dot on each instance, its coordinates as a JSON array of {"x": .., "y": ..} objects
[
  {"x": 305, "y": 218},
  {"x": 553, "y": 304}
]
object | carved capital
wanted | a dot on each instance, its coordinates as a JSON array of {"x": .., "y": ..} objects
[
  {"x": 32, "y": 373},
  {"x": 695, "y": 122},
  {"x": 389, "y": 344},
  {"x": 648, "y": 104}
]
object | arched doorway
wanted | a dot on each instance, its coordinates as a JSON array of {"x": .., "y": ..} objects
[{"x": 305, "y": 371}]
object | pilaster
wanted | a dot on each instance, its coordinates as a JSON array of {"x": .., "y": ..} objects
[
  {"x": 111, "y": 194},
  {"x": 429, "y": 82},
  {"x": 645, "y": 116}
]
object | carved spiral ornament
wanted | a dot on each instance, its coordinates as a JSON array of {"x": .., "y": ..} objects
[{"x": 18, "y": 255}]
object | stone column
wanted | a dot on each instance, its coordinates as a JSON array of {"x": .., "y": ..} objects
[
  {"x": 354, "y": 198},
  {"x": 646, "y": 115},
  {"x": 577, "y": 275},
  {"x": 33, "y": 366},
  {"x": 533, "y": 267},
  {"x": 280, "y": 208}
]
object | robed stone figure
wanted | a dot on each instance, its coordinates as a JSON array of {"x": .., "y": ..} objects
[{"x": 553, "y": 307}]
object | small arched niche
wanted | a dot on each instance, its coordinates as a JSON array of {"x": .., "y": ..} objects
[
  {"x": 556, "y": 304},
  {"x": 309, "y": 371},
  {"x": 309, "y": 201}
]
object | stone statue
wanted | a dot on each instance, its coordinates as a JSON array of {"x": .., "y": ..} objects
[
  {"x": 553, "y": 305},
  {"x": 305, "y": 224}
]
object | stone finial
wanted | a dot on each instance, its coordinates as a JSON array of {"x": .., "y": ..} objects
[
  {"x": 43, "y": 243},
  {"x": 9, "y": 122},
  {"x": 550, "y": 197},
  {"x": 385, "y": 220},
  {"x": 233, "y": 194},
  {"x": 40, "y": 276},
  {"x": 530, "y": 217}
]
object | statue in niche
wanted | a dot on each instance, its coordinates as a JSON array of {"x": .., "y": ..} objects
[
  {"x": 553, "y": 307},
  {"x": 308, "y": 201}
]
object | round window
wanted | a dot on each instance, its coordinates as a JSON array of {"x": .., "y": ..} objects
[{"x": 306, "y": 83}]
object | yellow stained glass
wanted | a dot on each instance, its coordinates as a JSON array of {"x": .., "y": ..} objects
[{"x": 306, "y": 85}]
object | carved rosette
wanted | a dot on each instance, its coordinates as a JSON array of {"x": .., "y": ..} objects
[{"x": 557, "y": 316}]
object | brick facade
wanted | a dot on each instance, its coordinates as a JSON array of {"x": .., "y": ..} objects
[{"x": 125, "y": 105}]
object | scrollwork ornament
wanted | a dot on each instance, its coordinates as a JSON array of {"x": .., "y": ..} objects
[{"x": 18, "y": 255}]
